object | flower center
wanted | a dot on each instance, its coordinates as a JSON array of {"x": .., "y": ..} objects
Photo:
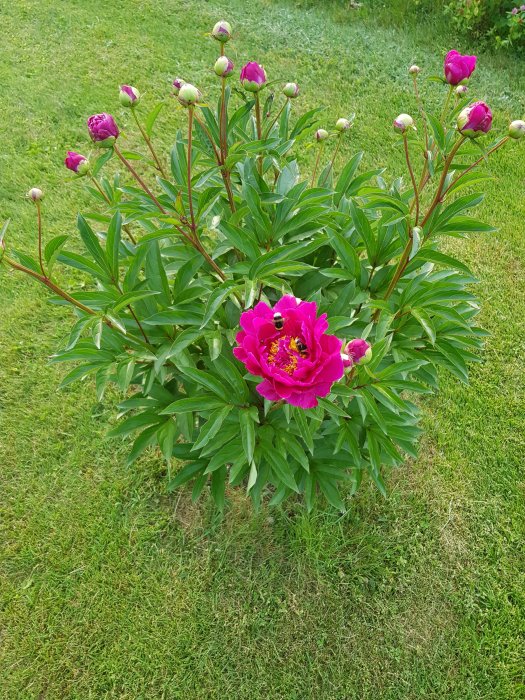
[{"x": 284, "y": 353}]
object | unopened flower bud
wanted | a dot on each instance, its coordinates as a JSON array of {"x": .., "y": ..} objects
[
  {"x": 343, "y": 124},
  {"x": 177, "y": 84},
  {"x": 291, "y": 90},
  {"x": 517, "y": 129},
  {"x": 103, "y": 129},
  {"x": 223, "y": 67},
  {"x": 222, "y": 31},
  {"x": 253, "y": 76},
  {"x": 403, "y": 122},
  {"x": 357, "y": 352},
  {"x": 461, "y": 90},
  {"x": 189, "y": 95},
  {"x": 321, "y": 134},
  {"x": 414, "y": 70},
  {"x": 35, "y": 194},
  {"x": 129, "y": 96},
  {"x": 475, "y": 120},
  {"x": 77, "y": 163}
]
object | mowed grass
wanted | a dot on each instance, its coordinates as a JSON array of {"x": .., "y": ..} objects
[{"x": 112, "y": 588}]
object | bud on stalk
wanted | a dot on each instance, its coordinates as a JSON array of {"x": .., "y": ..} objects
[
  {"x": 403, "y": 122},
  {"x": 35, "y": 194},
  {"x": 222, "y": 31},
  {"x": 189, "y": 95},
  {"x": 223, "y": 67},
  {"x": 517, "y": 129},
  {"x": 129, "y": 96},
  {"x": 291, "y": 90}
]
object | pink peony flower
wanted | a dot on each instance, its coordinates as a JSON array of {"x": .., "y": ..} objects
[
  {"x": 103, "y": 129},
  {"x": 288, "y": 347},
  {"x": 76, "y": 162},
  {"x": 458, "y": 68},
  {"x": 474, "y": 120},
  {"x": 252, "y": 77}
]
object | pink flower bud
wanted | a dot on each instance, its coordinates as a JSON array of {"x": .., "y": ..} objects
[
  {"x": 517, "y": 129},
  {"x": 461, "y": 90},
  {"x": 414, "y": 70},
  {"x": 321, "y": 134},
  {"x": 343, "y": 124},
  {"x": 357, "y": 351},
  {"x": 35, "y": 194},
  {"x": 458, "y": 68},
  {"x": 474, "y": 120},
  {"x": 403, "y": 122},
  {"x": 253, "y": 77},
  {"x": 189, "y": 95},
  {"x": 223, "y": 67},
  {"x": 77, "y": 163},
  {"x": 103, "y": 129},
  {"x": 129, "y": 96},
  {"x": 222, "y": 31},
  {"x": 177, "y": 84},
  {"x": 291, "y": 90}
]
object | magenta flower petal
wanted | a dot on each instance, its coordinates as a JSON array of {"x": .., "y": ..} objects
[{"x": 291, "y": 351}]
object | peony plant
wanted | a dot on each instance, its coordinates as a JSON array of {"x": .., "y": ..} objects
[{"x": 266, "y": 328}]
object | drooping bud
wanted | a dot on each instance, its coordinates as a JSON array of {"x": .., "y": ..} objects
[
  {"x": 291, "y": 90},
  {"x": 129, "y": 96},
  {"x": 403, "y": 122},
  {"x": 35, "y": 194},
  {"x": 461, "y": 90},
  {"x": 103, "y": 129},
  {"x": 357, "y": 352},
  {"x": 253, "y": 76},
  {"x": 475, "y": 120},
  {"x": 189, "y": 95},
  {"x": 321, "y": 134},
  {"x": 177, "y": 84},
  {"x": 222, "y": 31},
  {"x": 517, "y": 129},
  {"x": 414, "y": 70},
  {"x": 343, "y": 124},
  {"x": 223, "y": 67},
  {"x": 77, "y": 163}
]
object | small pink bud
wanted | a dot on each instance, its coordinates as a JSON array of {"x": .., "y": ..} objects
[
  {"x": 517, "y": 129},
  {"x": 129, "y": 96},
  {"x": 357, "y": 351},
  {"x": 177, "y": 84},
  {"x": 189, "y": 95},
  {"x": 77, "y": 163},
  {"x": 414, "y": 70},
  {"x": 461, "y": 90},
  {"x": 222, "y": 31},
  {"x": 291, "y": 90},
  {"x": 321, "y": 134},
  {"x": 223, "y": 67},
  {"x": 35, "y": 194},
  {"x": 403, "y": 122},
  {"x": 103, "y": 129}
]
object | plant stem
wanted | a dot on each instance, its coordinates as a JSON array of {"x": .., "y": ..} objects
[
  {"x": 190, "y": 136},
  {"x": 148, "y": 143},
  {"x": 225, "y": 173},
  {"x": 412, "y": 176},
  {"x": 477, "y": 162},
  {"x": 316, "y": 164},
  {"x": 447, "y": 102},
  {"x": 259, "y": 128},
  {"x": 267, "y": 133},
  {"x": 125, "y": 227},
  {"x": 331, "y": 165},
  {"x": 421, "y": 110},
  {"x": 446, "y": 166},
  {"x": 222, "y": 123},
  {"x": 39, "y": 219},
  {"x": 137, "y": 177}
]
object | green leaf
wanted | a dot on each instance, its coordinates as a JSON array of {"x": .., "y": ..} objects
[
  {"x": 92, "y": 244},
  {"x": 156, "y": 274},
  {"x": 281, "y": 468},
  {"x": 52, "y": 250},
  {"x": 304, "y": 429},
  {"x": 186, "y": 473},
  {"x": 211, "y": 427},
  {"x": 216, "y": 298},
  {"x": 207, "y": 380},
  {"x": 113, "y": 243},
  {"x": 247, "y": 425},
  {"x": 201, "y": 402},
  {"x": 152, "y": 117}
]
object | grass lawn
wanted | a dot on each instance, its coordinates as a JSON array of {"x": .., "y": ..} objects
[{"x": 110, "y": 588}]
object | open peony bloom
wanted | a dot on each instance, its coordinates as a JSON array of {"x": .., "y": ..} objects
[
  {"x": 288, "y": 347},
  {"x": 474, "y": 120},
  {"x": 458, "y": 68},
  {"x": 103, "y": 129},
  {"x": 76, "y": 162},
  {"x": 253, "y": 77}
]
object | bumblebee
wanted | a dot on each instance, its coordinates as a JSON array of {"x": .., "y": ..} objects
[
  {"x": 278, "y": 321},
  {"x": 303, "y": 351}
]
